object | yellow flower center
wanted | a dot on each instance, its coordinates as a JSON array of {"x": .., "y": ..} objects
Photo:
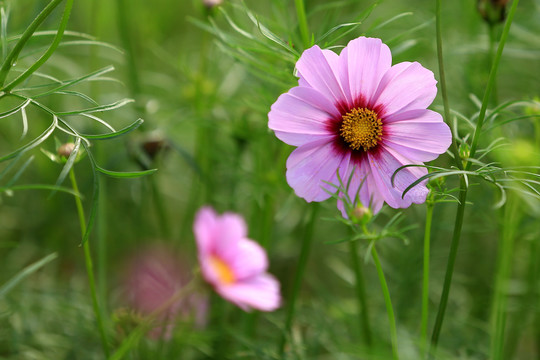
[
  {"x": 361, "y": 129},
  {"x": 225, "y": 274}
]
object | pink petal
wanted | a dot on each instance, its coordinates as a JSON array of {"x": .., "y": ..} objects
[
  {"x": 419, "y": 136},
  {"x": 319, "y": 69},
  {"x": 383, "y": 164},
  {"x": 301, "y": 115},
  {"x": 250, "y": 260},
  {"x": 204, "y": 225},
  {"x": 406, "y": 86},
  {"x": 231, "y": 229},
  {"x": 311, "y": 164},
  {"x": 260, "y": 292},
  {"x": 365, "y": 61}
]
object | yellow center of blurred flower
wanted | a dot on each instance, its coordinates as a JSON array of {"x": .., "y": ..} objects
[
  {"x": 225, "y": 274},
  {"x": 361, "y": 129}
]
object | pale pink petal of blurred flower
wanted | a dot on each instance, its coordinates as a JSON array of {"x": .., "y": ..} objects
[
  {"x": 154, "y": 276},
  {"x": 357, "y": 115},
  {"x": 234, "y": 265}
]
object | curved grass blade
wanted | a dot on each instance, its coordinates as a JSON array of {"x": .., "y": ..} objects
[
  {"x": 352, "y": 25},
  {"x": 436, "y": 175},
  {"x": 10, "y": 166},
  {"x": 53, "y": 33},
  {"x": 69, "y": 164},
  {"x": 15, "y": 109},
  {"x": 40, "y": 187},
  {"x": 3, "y": 30},
  {"x": 24, "y": 273},
  {"x": 78, "y": 94},
  {"x": 107, "y": 107},
  {"x": 92, "y": 43},
  {"x": 32, "y": 144},
  {"x": 11, "y": 58},
  {"x": 125, "y": 174},
  {"x": 102, "y": 122},
  {"x": 47, "y": 54},
  {"x": 19, "y": 172},
  {"x": 114, "y": 134},
  {"x": 69, "y": 83},
  {"x": 413, "y": 165}
]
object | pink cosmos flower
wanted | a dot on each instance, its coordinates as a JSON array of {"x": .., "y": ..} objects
[
  {"x": 233, "y": 264},
  {"x": 357, "y": 114}
]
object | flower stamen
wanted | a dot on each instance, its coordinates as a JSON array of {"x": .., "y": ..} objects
[
  {"x": 361, "y": 128},
  {"x": 223, "y": 270}
]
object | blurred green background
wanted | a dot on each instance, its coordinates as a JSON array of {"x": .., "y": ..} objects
[{"x": 204, "y": 91}]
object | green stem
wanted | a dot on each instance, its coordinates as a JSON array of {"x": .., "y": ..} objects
[
  {"x": 89, "y": 265},
  {"x": 44, "y": 57},
  {"x": 463, "y": 185},
  {"x": 425, "y": 285},
  {"x": 11, "y": 59},
  {"x": 360, "y": 292},
  {"x": 442, "y": 77},
  {"x": 302, "y": 263},
  {"x": 160, "y": 209},
  {"x": 388, "y": 302},
  {"x": 127, "y": 44},
  {"x": 491, "y": 82},
  {"x": 504, "y": 267},
  {"x": 450, "y": 265},
  {"x": 492, "y": 45},
  {"x": 302, "y": 22}
]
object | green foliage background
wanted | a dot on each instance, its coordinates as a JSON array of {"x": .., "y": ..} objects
[{"x": 203, "y": 81}]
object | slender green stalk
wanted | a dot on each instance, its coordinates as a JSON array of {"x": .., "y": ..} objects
[
  {"x": 127, "y": 43},
  {"x": 491, "y": 81},
  {"x": 463, "y": 185},
  {"x": 492, "y": 46},
  {"x": 302, "y": 263},
  {"x": 388, "y": 302},
  {"x": 361, "y": 293},
  {"x": 102, "y": 224},
  {"x": 504, "y": 269},
  {"x": 89, "y": 265},
  {"x": 160, "y": 208},
  {"x": 4, "y": 14},
  {"x": 302, "y": 22},
  {"x": 47, "y": 54},
  {"x": 527, "y": 308},
  {"x": 425, "y": 285},
  {"x": 442, "y": 78},
  {"x": 450, "y": 265}
]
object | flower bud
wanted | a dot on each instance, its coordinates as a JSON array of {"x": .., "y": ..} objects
[
  {"x": 492, "y": 11},
  {"x": 66, "y": 149},
  {"x": 209, "y": 4},
  {"x": 361, "y": 214}
]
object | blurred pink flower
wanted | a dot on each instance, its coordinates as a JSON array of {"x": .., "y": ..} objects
[
  {"x": 155, "y": 275},
  {"x": 234, "y": 265},
  {"x": 357, "y": 114}
]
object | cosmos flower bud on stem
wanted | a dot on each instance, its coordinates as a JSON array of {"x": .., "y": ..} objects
[
  {"x": 66, "y": 149},
  {"x": 361, "y": 214},
  {"x": 492, "y": 11},
  {"x": 209, "y": 4}
]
